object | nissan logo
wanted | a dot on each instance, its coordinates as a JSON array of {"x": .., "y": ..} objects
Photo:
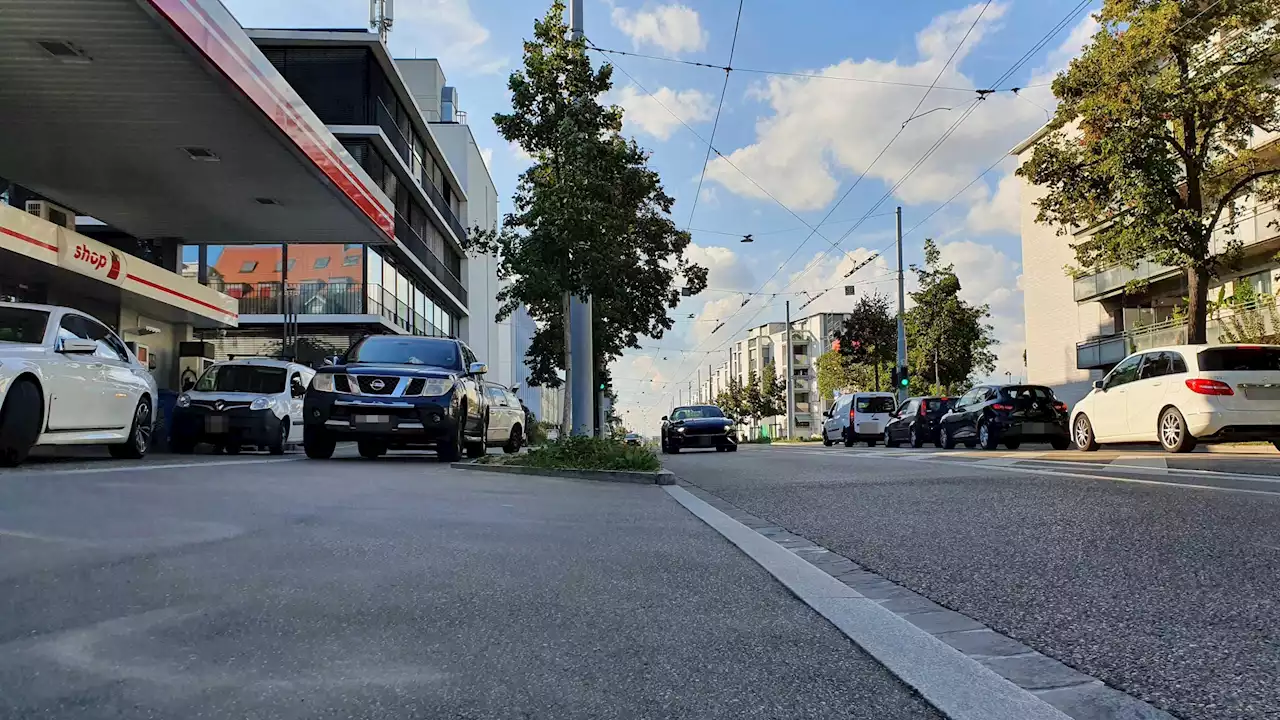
[{"x": 377, "y": 384}]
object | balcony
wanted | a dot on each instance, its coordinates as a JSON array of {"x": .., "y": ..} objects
[
  {"x": 404, "y": 148},
  {"x": 313, "y": 297},
  {"x": 1103, "y": 352},
  {"x": 416, "y": 245},
  {"x": 802, "y": 408},
  {"x": 1252, "y": 227}
]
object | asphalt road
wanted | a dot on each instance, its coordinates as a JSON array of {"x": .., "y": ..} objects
[
  {"x": 1117, "y": 567},
  {"x": 257, "y": 587}
]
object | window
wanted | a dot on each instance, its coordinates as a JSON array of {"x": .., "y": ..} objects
[
  {"x": 321, "y": 263},
  {"x": 73, "y": 327},
  {"x": 906, "y": 408},
  {"x": 1125, "y": 372},
  {"x": 1154, "y": 365},
  {"x": 1028, "y": 392},
  {"x": 875, "y": 404},
  {"x": 350, "y": 260},
  {"x": 110, "y": 347},
  {"x": 19, "y": 325},
  {"x": 402, "y": 350},
  {"x": 351, "y": 246},
  {"x": 696, "y": 412},
  {"x": 802, "y": 372},
  {"x": 261, "y": 379},
  {"x": 1240, "y": 358},
  {"x": 1176, "y": 363},
  {"x": 468, "y": 356},
  {"x": 496, "y": 395},
  {"x": 1261, "y": 282},
  {"x": 248, "y": 266}
]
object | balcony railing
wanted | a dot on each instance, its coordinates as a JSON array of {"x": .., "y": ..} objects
[
  {"x": 404, "y": 147},
  {"x": 802, "y": 407},
  {"x": 1105, "y": 351},
  {"x": 416, "y": 245},
  {"x": 311, "y": 297}
]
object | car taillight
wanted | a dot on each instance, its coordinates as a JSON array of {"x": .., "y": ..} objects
[
  {"x": 1060, "y": 406},
  {"x": 1205, "y": 386},
  {"x": 1001, "y": 406}
]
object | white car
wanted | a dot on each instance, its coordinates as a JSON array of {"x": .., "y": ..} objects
[
  {"x": 66, "y": 379},
  {"x": 1182, "y": 395},
  {"x": 248, "y": 401},
  {"x": 505, "y": 423}
]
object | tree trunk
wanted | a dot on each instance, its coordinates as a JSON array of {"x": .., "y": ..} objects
[
  {"x": 1197, "y": 304},
  {"x": 566, "y": 413},
  {"x": 876, "y": 366}
]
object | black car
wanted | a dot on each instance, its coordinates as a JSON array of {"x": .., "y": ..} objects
[
  {"x": 989, "y": 415},
  {"x": 697, "y": 426},
  {"x": 395, "y": 391},
  {"x": 916, "y": 421}
]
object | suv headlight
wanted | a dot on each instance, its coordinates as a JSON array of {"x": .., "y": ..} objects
[
  {"x": 322, "y": 382},
  {"x": 262, "y": 403},
  {"x": 433, "y": 387},
  {"x": 184, "y": 400}
]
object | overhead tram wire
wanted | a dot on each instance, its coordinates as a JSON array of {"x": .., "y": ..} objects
[
  {"x": 733, "y": 46},
  {"x": 1053, "y": 32},
  {"x": 902, "y": 128}
]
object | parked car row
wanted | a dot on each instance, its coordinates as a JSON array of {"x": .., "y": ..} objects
[
  {"x": 1176, "y": 396},
  {"x": 67, "y": 379}
]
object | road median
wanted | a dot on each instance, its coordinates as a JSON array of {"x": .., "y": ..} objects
[{"x": 660, "y": 477}]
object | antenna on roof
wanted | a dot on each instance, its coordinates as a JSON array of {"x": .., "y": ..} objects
[{"x": 381, "y": 17}]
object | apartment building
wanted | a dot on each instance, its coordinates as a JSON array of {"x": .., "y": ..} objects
[
  {"x": 1078, "y": 327},
  {"x": 810, "y": 337}
]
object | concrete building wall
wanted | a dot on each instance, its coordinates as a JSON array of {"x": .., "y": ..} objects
[{"x": 424, "y": 78}]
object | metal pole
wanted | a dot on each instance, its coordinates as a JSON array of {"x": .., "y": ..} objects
[
  {"x": 582, "y": 355},
  {"x": 700, "y": 398},
  {"x": 902, "y": 328},
  {"x": 790, "y": 370}
]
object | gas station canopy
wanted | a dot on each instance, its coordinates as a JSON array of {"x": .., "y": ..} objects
[{"x": 162, "y": 119}]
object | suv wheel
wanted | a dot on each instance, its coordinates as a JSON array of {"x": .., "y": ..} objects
[
  {"x": 1174, "y": 436},
  {"x": 317, "y": 443},
  {"x": 20, "y": 422},
  {"x": 450, "y": 449},
  {"x": 139, "y": 434}
]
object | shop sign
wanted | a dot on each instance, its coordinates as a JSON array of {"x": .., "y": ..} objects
[{"x": 75, "y": 252}]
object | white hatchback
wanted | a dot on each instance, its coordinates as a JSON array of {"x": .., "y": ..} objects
[
  {"x": 1181, "y": 395},
  {"x": 67, "y": 379}
]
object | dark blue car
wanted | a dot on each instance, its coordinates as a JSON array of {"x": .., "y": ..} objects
[{"x": 697, "y": 426}]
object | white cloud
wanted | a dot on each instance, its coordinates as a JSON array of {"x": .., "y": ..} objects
[
  {"x": 673, "y": 28},
  {"x": 487, "y": 155},
  {"x": 990, "y": 277},
  {"x": 647, "y": 114},
  {"x": 819, "y": 133},
  {"x": 999, "y": 210},
  {"x": 519, "y": 153}
]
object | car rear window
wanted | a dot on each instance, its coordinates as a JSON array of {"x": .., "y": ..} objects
[
  {"x": 21, "y": 325},
  {"x": 1027, "y": 392},
  {"x": 936, "y": 404},
  {"x": 874, "y": 404},
  {"x": 1240, "y": 358}
]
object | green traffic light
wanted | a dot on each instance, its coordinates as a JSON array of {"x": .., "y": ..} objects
[{"x": 903, "y": 382}]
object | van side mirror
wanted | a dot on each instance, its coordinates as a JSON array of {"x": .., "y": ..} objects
[{"x": 1097, "y": 385}]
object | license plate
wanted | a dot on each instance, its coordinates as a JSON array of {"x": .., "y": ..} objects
[
  {"x": 1034, "y": 428},
  {"x": 215, "y": 424},
  {"x": 373, "y": 419}
]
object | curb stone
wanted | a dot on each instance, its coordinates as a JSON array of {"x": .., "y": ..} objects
[
  {"x": 661, "y": 477},
  {"x": 1073, "y": 693}
]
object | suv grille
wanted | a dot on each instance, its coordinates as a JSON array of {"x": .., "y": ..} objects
[
  {"x": 415, "y": 387},
  {"x": 341, "y": 384},
  {"x": 377, "y": 384}
]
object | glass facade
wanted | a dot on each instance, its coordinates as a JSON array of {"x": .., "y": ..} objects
[{"x": 324, "y": 280}]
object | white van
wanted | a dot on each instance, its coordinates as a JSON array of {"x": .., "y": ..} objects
[{"x": 858, "y": 416}]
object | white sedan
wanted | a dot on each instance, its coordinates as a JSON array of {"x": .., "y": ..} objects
[
  {"x": 66, "y": 379},
  {"x": 1181, "y": 395}
]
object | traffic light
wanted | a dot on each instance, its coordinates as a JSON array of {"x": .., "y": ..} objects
[
  {"x": 894, "y": 376},
  {"x": 902, "y": 377}
]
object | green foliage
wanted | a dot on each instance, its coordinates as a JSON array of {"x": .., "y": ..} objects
[
  {"x": 835, "y": 372},
  {"x": 948, "y": 340},
  {"x": 589, "y": 453},
  {"x": 757, "y": 399},
  {"x": 1150, "y": 142},
  {"x": 870, "y": 334},
  {"x": 537, "y": 433},
  {"x": 732, "y": 401},
  {"x": 772, "y": 396},
  {"x": 589, "y": 216},
  {"x": 1247, "y": 316}
]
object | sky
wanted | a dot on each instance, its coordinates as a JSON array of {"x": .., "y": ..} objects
[{"x": 791, "y": 149}]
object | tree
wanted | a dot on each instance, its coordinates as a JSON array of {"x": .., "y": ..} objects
[
  {"x": 1166, "y": 99},
  {"x": 1249, "y": 317},
  {"x": 590, "y": 217},
  {"x": 773, "y": 394},
  {"x": 869, "y": 336},
  {"x": 732, "y": 401},
  {"x": 948, "y": 340},
  {"x": 835, "y": 372}
]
